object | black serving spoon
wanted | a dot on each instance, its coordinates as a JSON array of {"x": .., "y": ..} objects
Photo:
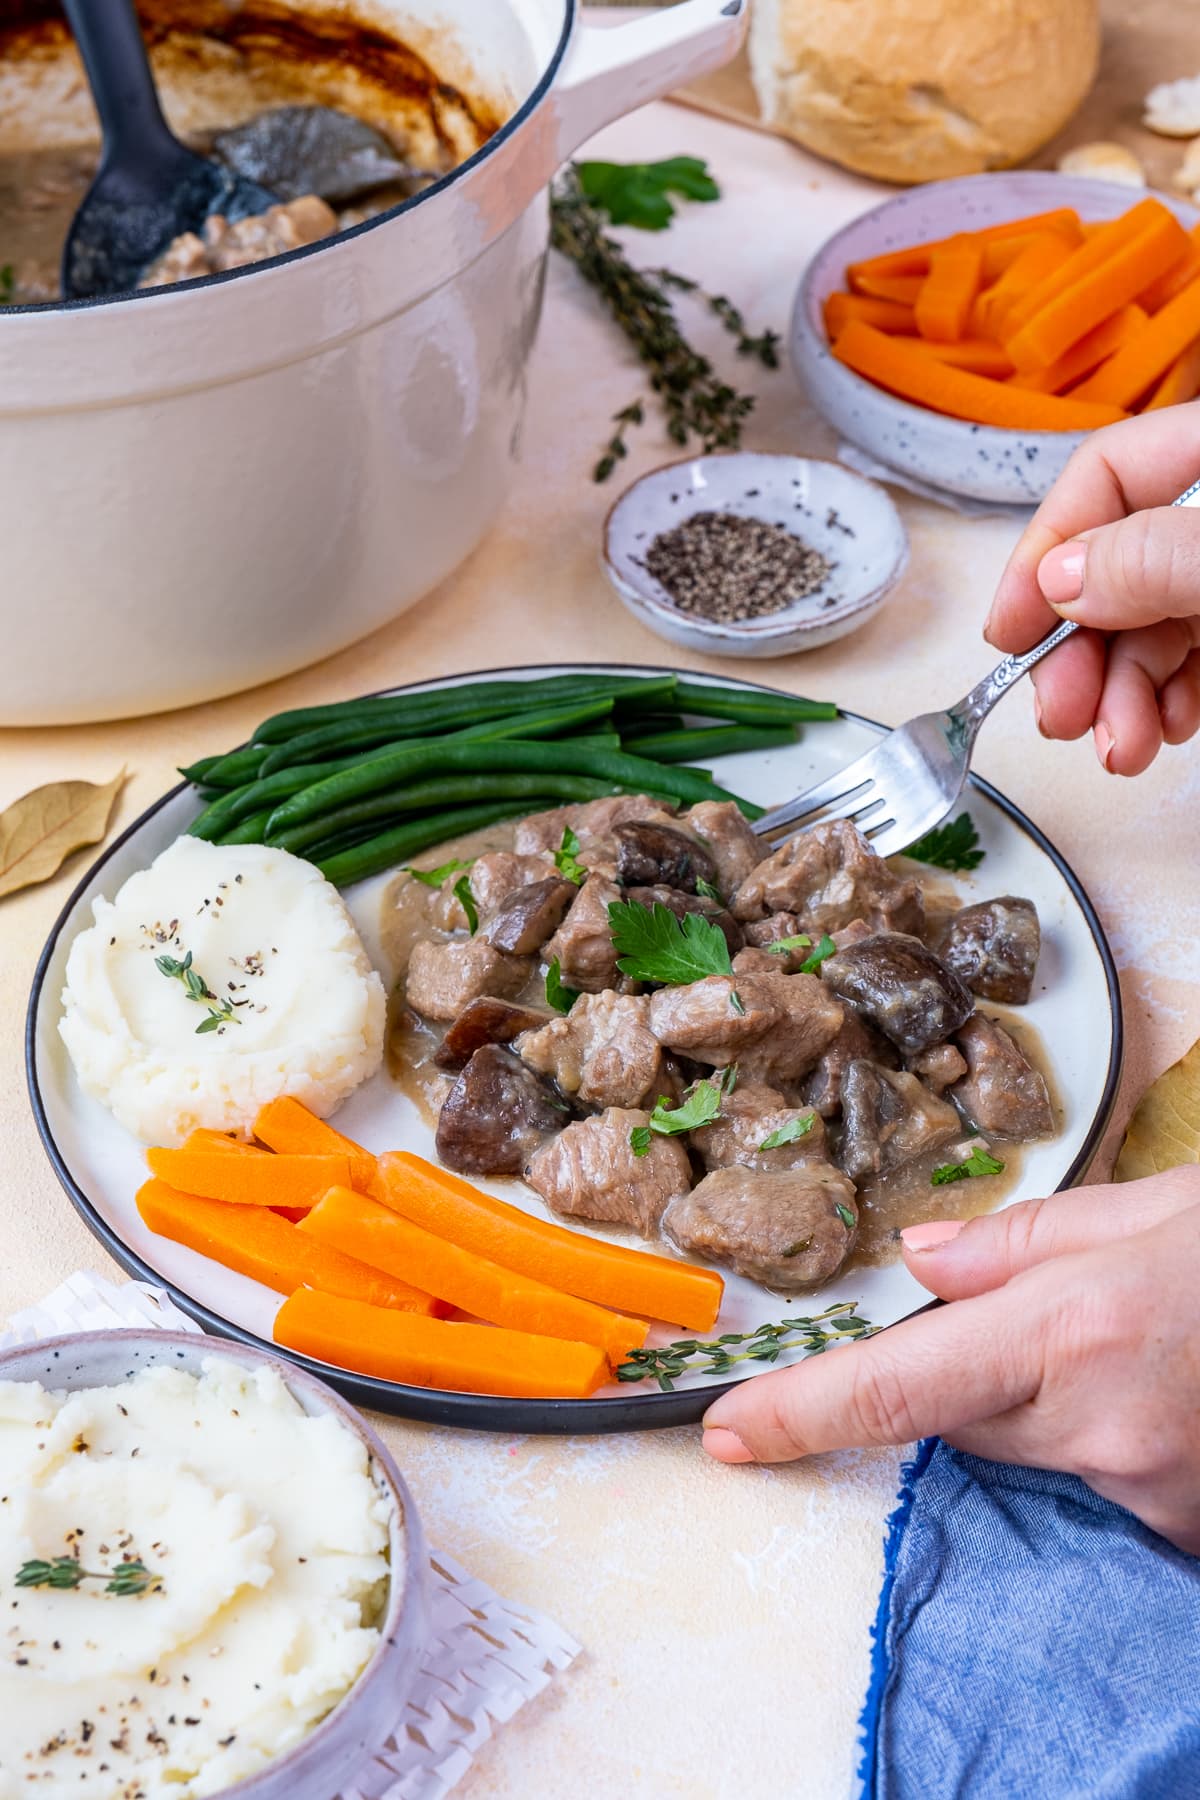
[{"x": 149, "y": 188}]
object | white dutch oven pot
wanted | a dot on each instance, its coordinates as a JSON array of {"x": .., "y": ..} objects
[{"x": 204, "y": 488}]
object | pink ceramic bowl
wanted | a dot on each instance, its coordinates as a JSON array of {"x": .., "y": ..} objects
[{"x": 360, "y": 1725}]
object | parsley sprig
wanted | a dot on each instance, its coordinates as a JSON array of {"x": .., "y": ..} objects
[
  {"x": 637, "y": 193},
  {"x": 700, "y": 1106},
  {"x": 466, "y": 899},
  {"x": 653, "y": 945},
  {"x": 789, "y": 1133},
  {"x": 978, "y": 1163},
  {"x": 558, "y": 995},
  {"x": 953, "y": 846},
  {"x": 435, "y": 877},
  {"x": 132, "y": 1577},
  {"x": 810, "y": 1336},
  {"x": 782, "y": 947},
  {"x": 566, "y": 859},
  {"x": 220, "y": 1012}
]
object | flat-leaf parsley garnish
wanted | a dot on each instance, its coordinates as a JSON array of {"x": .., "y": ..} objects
[
  {"x": 435, "y": 877},
  {"x": 566, "y": 859},
  {"x": 953, "y": 846},
  {"x": 636, "y": 193},
  {"x": 700, "y": 1106},
  {"x": 653, "y": 945},
  {"x": 465, "y": 898},
  {"x": 789, "y": 1133},
  {"x": 978, "y": 1163},
  {"x": 558, "y": 995}
]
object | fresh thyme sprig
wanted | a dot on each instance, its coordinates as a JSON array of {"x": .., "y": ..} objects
[
  {"x": 766, "y": 1344},
  {"x": 132, "y": 1577},
  {"x": 616, "y": 447},
  {"x": 696, "y": 402},
  {"x": 220, "y": 1012}
]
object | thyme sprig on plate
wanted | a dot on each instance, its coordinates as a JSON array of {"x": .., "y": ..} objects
[
  {"x": 220, "y": 1012},
  {"x": 811, "y": 1336},
  {"x": 695, "y": 401},
  {"x": 132, "y": 1577}
]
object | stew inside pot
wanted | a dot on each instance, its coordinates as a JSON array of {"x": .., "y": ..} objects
[{"x": 249, "y": 84}]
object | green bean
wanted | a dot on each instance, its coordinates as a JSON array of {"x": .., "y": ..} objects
[
  {"x": 750, "y": 708},
  {"x": 249, "y": 831},
  {"x": 233, "y": 770},
  {"x": 442, "y": 791},
  {"x": 540, "y": 725},
  {"x": 717, "y": 740},
  {"x": 231, "y": 808},
  {"x": 630, "y": 773},
  {"x": 392, "y": 847},
  {"x": 411, "y": 711},
  {"x": 198, "y": 772}
]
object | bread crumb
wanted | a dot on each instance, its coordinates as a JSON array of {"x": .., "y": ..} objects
[
  {"x": 1104, "y": 162},
  {"x": 1173, "y": 108}
]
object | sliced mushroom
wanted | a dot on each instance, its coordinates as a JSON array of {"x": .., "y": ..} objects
[
  {"x": 898, "y": 983},
  {"x": 496, "y": 1115},
  {"x": 487, "y": 1021},
  {"x": 649, "y": 855},
  {"x": 529, "y": 916}
]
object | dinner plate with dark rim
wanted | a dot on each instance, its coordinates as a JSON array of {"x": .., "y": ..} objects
[{"x": 1075, "y": 1009}]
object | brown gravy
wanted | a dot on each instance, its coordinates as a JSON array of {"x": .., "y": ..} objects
[{"x": 886, "y": 1205}]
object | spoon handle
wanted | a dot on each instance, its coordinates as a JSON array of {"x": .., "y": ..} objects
[{"x": 110, "y": 43}]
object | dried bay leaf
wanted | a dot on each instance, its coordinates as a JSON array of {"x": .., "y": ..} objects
[
  {"x": 41, "y": 829},
  {"x": 1165, "y": 1129}
]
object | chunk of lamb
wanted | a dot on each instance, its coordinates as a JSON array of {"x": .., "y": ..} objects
[
  {"x": 487, "y": 1021},
  {"x": 650, "y": 854},
  {"x": 752, "y": 1113},
  {"x": 592, "y": 821},
  {"x": 603, "y": 1052},
  {"x": 994, "y": 948},
  {"x": 830, "y": 876},
  {"x": 900, "y": 986},
  {"x": 444, "y": 978},
  {"x": 761, "y": 934},
  {"x": 496, "y": 1115},
  {"x": 529, "y": 915},
  {"x": 784, "y": 1023},
  {"x": 590, "y": 1172},
  {"x": 855, "y": 1042},
  {"x": 788, "y": 1228},
  {"x": 732, "y": 844},
  {"x": 1002, "y": 1094},
  {"x": 939, "y": 1067},
  {"x": 682, "y": 904},
  {"x": 491, "y": 879},
  {"x": 888, "y": 1117},
  {"x": 583, "y": 943}
]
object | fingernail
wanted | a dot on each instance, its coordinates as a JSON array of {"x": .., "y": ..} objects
[
  {"x": 931, "y": 1236},
  {"x": 726, "y": 1445},
  {"x": 1037, "y": 713},
  {"x": 1105, "y": 743},
  {"x": 987, "y": 626},
  {"x": 1060, "y": 573}
]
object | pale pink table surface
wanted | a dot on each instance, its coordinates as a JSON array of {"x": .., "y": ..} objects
[{"x": 724, "y": 1612}]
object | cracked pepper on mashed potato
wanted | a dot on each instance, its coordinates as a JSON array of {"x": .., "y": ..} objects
[
  {"x": 220, "y": 978},
  {"x": 262, "y": 1542}
]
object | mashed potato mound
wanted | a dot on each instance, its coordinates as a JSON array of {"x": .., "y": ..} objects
[{"x": 293, "y": 1005}]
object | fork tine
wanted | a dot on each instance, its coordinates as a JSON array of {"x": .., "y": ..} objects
[{"x": 839, "y": 787}]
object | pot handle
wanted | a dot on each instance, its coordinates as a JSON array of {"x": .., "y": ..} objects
[{"x": 611, "y": 70}]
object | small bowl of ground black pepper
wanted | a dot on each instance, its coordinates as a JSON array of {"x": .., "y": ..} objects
[{"x": 754, "y": 554}]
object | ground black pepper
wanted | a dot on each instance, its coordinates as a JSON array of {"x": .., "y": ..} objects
[{"x": 726, "y": 567}]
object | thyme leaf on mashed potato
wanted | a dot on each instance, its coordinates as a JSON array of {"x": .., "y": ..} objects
[
  {"x": 129, "y": 1577},
  {"x": 220, "y": 1012}
]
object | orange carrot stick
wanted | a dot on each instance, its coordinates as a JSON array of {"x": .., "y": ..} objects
[
  {"x": 1181, "y": 275},
  {"x": 980, "y": 355},
  {"x": 1077, "y": 309},
  {"x": 1084, "y": 356},
  {"x": 375, "y": 1234},
  {"x": 1181, "y": 381},
  {"x": 631, "y": 1281},
  {"x": 1147, "y": 357},
  {"x": 1041, "y": 256},
  {"x": 203, "y": 1139},
  {"x": 257, "y": 1242},
  {"x": 914, "y": 374},
  {"x": 913, "y": 259},
  {"x": 436, "y": 1353},
  {"x": 885, "y": 315},
  {"x": 900, "y": 288},
  {"x": 948, "y": 292},
  {"x": 286, "y": 1125},
  {"x": 1091, "y": 255},
  {"x": 260, "y": 1180}
]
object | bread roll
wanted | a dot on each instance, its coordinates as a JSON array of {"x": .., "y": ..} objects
[{"x": 917, "y": 90}]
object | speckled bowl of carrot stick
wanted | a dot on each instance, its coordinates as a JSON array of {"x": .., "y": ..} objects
[{"x": 970, "y": 333}]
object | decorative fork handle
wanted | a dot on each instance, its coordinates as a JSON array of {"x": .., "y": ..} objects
[{"x": 974, "y": 708}]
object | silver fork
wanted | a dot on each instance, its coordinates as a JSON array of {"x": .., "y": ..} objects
[{"x": 911, "y": 779}]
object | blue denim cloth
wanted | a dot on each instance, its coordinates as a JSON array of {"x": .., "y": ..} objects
[{"x": 1034, "y": 1642}]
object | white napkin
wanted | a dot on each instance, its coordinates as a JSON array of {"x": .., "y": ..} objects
[{"x": 486, "y": 1656}]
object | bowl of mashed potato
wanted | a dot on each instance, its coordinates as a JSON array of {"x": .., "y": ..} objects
[{"x": 213, "y": 1575}]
